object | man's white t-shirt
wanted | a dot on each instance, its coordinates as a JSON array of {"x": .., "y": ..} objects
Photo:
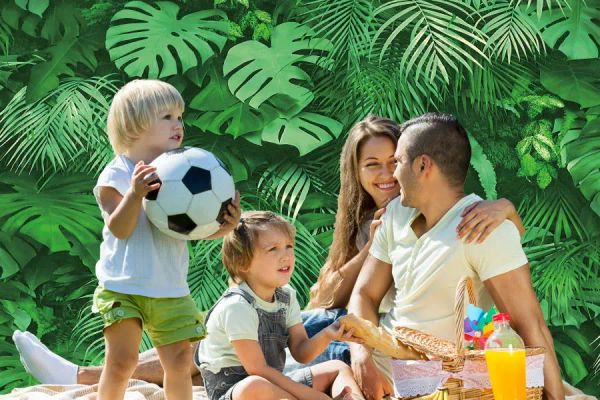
[
  {"x": 147, "y": 263},
  {"x": 233, "y": 318},
  {"x": 426, "y": 270}
]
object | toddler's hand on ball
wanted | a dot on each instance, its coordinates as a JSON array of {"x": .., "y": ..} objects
[{"x": 142, "y": 181}]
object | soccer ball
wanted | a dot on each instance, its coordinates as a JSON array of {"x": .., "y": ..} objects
[{"x": 193, "y": 196}]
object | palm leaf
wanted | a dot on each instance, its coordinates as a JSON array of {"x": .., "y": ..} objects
[
  {"x": 62, "y": 131},
  {"x": 558, "y": 278},
  {"x": 486, "y": 88},
  {"x": 288, "y": 183},
  {"x": 207, "y": 276},
  {"x": 310, "y": 256},
  {"x": 12, "y": 372},
  {"x": 556, "y": 214},
  {"x": 484, "y": 168},
  {"x": 440, "y": 40},
  {"x": 540, "y": 5},
  {"x": 87, "y": 334},
  {"x": 346, "y": 24},
  {"x": 510, "y": 31}
]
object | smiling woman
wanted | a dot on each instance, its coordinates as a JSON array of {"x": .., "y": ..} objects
[{"x": 366, "y": 167}]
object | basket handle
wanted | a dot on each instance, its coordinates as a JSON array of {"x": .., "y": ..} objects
[{"x": 466, "y": 283}]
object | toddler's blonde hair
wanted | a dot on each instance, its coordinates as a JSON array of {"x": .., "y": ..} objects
[{"x": 136, "y": 106}]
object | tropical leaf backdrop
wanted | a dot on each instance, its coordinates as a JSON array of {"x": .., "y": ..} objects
[{"x": 272, "y": 88}]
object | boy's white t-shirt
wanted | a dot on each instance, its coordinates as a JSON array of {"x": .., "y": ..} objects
[
  {"x": 427, "y": 269},
  {"x": 147, "y": 263},
  {"x": 233, "y": 318}
]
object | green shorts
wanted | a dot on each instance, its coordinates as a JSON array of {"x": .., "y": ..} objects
[{"x": 167, "y": 320}]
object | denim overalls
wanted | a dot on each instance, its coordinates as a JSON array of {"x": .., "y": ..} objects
[{"x": 272, "y": 337}]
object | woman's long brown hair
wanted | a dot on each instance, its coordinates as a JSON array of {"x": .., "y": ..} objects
[{"x": 354, "y": 204}]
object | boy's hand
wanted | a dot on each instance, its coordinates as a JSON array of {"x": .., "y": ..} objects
[
  {"x": 141, "y": 182},
  {"x": 231, "y": 216},
  {"x": 335, "y": 331}
]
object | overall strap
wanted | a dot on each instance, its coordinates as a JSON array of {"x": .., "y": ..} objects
[
  {"x": 282, "y": 295},
  {"x": 230, "y": 292}
]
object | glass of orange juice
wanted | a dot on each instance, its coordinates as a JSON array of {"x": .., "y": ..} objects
[{"x": 507, "y": 373}]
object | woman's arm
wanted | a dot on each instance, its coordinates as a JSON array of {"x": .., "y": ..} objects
[
  {"x": 338, "y": 285},
  {"x": 481, "y": 218},
  {"x": 253, "y": 360}
]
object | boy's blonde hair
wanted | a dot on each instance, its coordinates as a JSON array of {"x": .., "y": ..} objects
[
  {"x": 135, "y": 107},
  {"x": 239, "y": 244}
]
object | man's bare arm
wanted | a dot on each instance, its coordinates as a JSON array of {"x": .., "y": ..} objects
[
  {"x": 513, "y": 293},
  {"x": 371, "y": 286}
]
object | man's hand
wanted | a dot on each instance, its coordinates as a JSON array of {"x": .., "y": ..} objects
[{"x": 371, "y": 382}]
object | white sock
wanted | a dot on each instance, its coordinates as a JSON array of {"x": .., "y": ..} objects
[
  {"x": 44, "y": 365},
  {"x": 34, "y": 339}
]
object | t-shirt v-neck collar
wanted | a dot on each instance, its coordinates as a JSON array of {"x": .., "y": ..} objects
[{"x": 448, "y": 215}]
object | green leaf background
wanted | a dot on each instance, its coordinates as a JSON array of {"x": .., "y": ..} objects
[{"x": 272, "y": 88}]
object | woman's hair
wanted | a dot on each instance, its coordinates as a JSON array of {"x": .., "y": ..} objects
[
  {"x": 239, "y": 244},
  {"x": 135, "y": 107},
  {"x": 354, "y": 203}
]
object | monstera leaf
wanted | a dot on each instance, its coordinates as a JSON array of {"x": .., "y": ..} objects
[
  {"x": 15, "y": 252},
  {"x": 143, "y": 37},
  {"x": 574, "y": 81},
  {"x": 583, "y": 162},
  {"x": 256, "y": 72},
  {"x": 236, "y": 120},
  {"x": 574, "y": 30},
  {"x": 64, "y": 57},
  {"x": 222, "y": 112},
  {"x": 36, "y": 7},
  {"x": 63, "y": 19},
  {"x": 62, "y": 215},
  {"x": 305, "y": 131}
]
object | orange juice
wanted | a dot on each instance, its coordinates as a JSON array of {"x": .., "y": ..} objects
[{"x": 507, "y": 373}]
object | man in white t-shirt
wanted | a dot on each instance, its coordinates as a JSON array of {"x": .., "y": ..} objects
[{"x": 416, "y": 248}]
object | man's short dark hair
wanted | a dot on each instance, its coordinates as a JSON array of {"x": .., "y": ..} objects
[{"x": 443, "y": 138}]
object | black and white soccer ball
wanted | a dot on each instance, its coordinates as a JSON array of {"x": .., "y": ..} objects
[{"x": 195, "y": 190}]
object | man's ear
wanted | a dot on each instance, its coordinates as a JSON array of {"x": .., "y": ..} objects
[{"x": 424, "y": 164}]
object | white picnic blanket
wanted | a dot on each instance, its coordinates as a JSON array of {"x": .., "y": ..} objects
[
  {"x": 140, "y": 390},
  {"x": 136, "y": 390}
]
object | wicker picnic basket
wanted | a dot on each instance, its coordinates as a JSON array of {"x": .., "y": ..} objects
[{"x": 453, "y": 356}]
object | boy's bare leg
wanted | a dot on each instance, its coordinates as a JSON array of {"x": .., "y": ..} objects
[
  {"x": 148, "y": 368},
  {"x": 335, "y": 378}
]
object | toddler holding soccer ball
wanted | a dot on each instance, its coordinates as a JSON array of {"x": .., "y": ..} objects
[{"x": 142, "y": 272}]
